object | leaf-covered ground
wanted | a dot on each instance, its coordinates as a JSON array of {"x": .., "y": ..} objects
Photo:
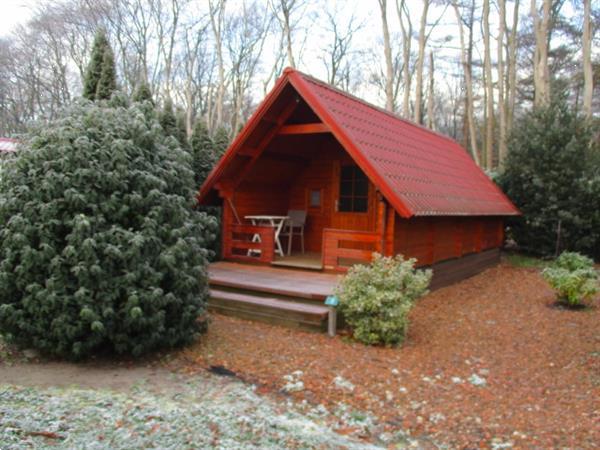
[
  {"x": 490, "y": 362},
  {"x": 199, "y": 412}
]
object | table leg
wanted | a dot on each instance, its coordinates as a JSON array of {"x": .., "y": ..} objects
[{"x": 277, "y": 231}]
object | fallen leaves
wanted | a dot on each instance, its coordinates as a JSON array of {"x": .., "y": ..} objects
[{"x": 500, "y": 365}]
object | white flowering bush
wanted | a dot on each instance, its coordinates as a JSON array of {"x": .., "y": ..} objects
[
  {"x": 375, "y": 299},
  {"x": 573, "y": 277}
]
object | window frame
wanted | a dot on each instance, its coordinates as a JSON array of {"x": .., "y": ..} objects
[{"x": 353, "y": 197}]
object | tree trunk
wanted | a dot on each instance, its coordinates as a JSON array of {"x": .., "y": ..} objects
[
  {"x": 419, "y": 68},
  {"x": 541, "y": 76},
  {"x": 216, "y": 19},
  {"x": 468, "y": 85},
  {"x": 389, "y": 65},
  {"x": 286, "y": 11},
  {"x": 588, "y": 75},
  {"x": 501, "y": 80},
  {"x": 430, "y": 121},
  {"x": 406, "y": 45},
  {"x": 512, "y": 68},
  {"x": 489, "y": 88}
]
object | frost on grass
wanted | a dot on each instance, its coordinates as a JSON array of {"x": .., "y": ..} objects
[{"x": 199, "y": 415}]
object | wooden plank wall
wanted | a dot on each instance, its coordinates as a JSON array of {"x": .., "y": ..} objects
[
  {"x": 434, "y": 239},
  {"x": 276, "y": 185}
]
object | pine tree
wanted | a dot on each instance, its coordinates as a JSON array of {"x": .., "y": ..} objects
[
  {"x": 203, "y": 152},
  {"x": 107, "y": 83},
  {"x": 143, "y": 93},
  {"x": 181, "y": 128},
  {"x": 94, "y": 68},
  {"x": 221, "y": 141},
  {"x": 167, "y": 120}
]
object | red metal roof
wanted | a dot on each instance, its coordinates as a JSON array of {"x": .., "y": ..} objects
[{"x": 420, "y": 172}]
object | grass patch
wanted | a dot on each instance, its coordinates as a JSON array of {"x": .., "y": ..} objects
[{"x": 526, "y": 261}]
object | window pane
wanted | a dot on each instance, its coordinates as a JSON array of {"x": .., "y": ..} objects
[
  {"x": 347, "y": 172},
  {"x": 345, "y": 204},
  {"x": 315, "y": 198},
  {"x": 361, "y": 187},
  {"x": 360, "y": 204},
  {"x": 346, "y": 188}
]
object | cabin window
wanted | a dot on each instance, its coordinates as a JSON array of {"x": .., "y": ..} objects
[
  {"x": 354, "y": 190},
  {"x": 314, "y": 198}
]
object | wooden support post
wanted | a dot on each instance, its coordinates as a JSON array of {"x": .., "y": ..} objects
[
  {"x": 332, "y": 321},
  {"x": 380, "y": 222},
  {"x": 390, "y": 231}
]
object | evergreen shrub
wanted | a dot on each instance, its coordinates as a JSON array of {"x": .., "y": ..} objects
[
  {"x": 375, "y": 299},
  {"x": 100, "y": 248},
  {"x": 552, "y": 174},
  {"x": 573, "y": 277}
]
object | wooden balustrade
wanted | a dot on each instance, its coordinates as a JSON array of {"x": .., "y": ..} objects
[
  {"x": 249, "y": 243},
  {"x": 343, "y": 248}
]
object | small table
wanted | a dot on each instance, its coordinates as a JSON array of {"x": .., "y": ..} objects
[{"x": 276, "y": 222}]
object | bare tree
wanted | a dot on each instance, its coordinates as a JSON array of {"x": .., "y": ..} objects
[
  {"x": 489, "y": 88},
  {"x": 468, "y": 83},
  {"x": 502, "y": 150},
  {"x": 406, "y": 28},
  {"x": 217, "y": 21},
  {"x": 338, "y": 52},
  {"x": 512, "y": 67},
  {"x": 387, "y": 52},
  {"x": 283, "y": 10},
  {"x": 541, "y": 73},
  {"x": 245, "y": 36},
  {"x": 430, "y": 94},
  {"x": 420, "y": 62},
  {"x": 588, "y": 75}
]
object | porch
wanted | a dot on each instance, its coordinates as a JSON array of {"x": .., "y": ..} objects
[{"x": 293, "y": 298}]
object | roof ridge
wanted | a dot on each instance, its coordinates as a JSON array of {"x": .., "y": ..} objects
[{"x": 369, "y": 104}]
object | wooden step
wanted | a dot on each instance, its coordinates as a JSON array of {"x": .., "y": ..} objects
[{"x": 268, "y": 309}]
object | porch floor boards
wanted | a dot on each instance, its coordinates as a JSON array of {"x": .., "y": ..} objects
[
  {"x": 301, "y": 284},
  {"x": 308, "y": 260}
]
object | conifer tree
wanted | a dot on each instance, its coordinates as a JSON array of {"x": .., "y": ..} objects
[
  {"x": 167, "y": 120},
  {"x": 107, "y": 83},
  {"x": 94, "y": 68},
  {"x": 221, "y": 141},
  {"x": 203, "y": 152},
  {"x": 181, "y": 129},
  {"x": 143, "y": 93}
]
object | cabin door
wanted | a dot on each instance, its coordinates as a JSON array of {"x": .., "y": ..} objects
[{"x": 353, "y": 198}]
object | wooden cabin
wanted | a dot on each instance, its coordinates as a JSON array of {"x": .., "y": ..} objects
[
  {"x": 367, "y": 180},
  {"x": 362, "y": 180}
]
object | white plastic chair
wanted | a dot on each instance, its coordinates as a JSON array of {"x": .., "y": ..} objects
[{"x": 294, "y": 226}]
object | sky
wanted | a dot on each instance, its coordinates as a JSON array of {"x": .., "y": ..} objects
[{"x": 14, "y": 12}]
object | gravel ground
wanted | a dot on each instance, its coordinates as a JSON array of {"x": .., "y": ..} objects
[{"x": 204, "y": 411}]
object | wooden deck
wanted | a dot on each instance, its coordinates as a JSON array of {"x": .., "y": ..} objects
[
  {"x": 288, "y": 297},
  {"x": 308, "y": 260},
  {"x": 288, "y": 282}
]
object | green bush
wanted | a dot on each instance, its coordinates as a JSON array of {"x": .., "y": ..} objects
[
  {"x": 100, "y": 248},
  {"x": 573, "y": 277},
  {"x": 375, "y": 300},
  {"x": 552, "y": 173}
]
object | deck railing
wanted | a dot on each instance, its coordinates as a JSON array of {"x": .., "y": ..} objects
[
  {"x": 343, "y": 248},
  {"x": 249, "y": 243}
]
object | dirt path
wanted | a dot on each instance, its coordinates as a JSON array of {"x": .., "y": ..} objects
[{"x": 118, "y": 377}]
